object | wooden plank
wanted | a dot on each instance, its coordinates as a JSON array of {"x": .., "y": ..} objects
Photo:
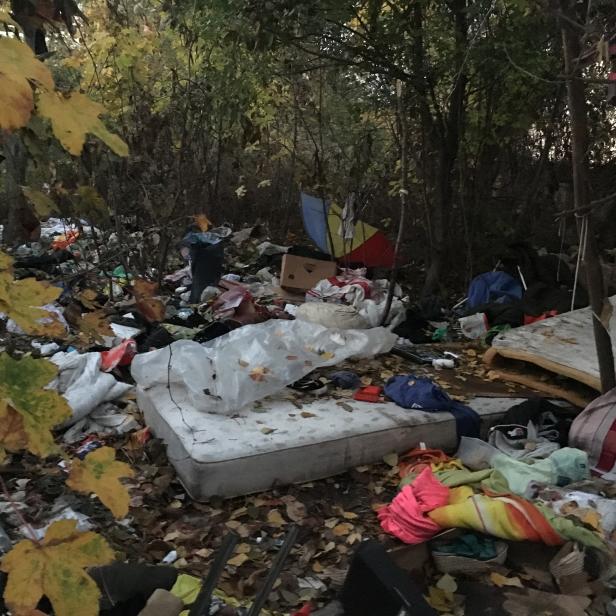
[
  {"x": 553, "y": 391},
  {"x": 563, "y": 344}
]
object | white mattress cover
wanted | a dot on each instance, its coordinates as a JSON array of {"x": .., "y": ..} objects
[{"x": 272, "y": 443}]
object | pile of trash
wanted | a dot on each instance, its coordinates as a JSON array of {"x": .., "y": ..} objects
[
  {"x": 538, "y": 478},
  {"x": 241, "y": 319},
  {"x": 525, "y": 287}
]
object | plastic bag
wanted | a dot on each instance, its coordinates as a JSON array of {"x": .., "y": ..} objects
[
  {"x": 331, "y": 315},
  {"x": 253, "y": 361},
  {"x": 82, "y": 383}
]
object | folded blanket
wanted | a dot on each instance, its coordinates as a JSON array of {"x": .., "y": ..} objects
[
  {"x": 426, "y": 506},
  {"x": 510, "y": 517}
]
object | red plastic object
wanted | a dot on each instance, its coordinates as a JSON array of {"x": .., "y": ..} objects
[
  {"x": 121, "y": 355},
  {"x": 305, "y": 611},
  {"x": 546, "y": 315},
  {"x": 63, "y": 241},
  {"x": 372, "y": 393}
]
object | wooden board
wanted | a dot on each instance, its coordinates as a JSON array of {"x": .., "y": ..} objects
[{"x": 563, "y": 345}]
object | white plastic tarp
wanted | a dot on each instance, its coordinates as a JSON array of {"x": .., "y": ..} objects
[
  {"x": 253, "y": 361},
  {"x": 82, "y": 383}
]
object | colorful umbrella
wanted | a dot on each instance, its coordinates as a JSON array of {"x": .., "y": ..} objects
[{"x": 347, "y": 240}]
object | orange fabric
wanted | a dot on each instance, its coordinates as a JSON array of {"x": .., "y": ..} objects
[
  {"x": 418, "y": 459},
  {"x": 63, "y": 241}
]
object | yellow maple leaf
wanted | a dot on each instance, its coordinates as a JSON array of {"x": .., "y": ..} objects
[
  {"x": 43, "y": 204},
  {"x": 6, "y": 263},
  {"x": 21, "y": 300},
  {"x": 12, "y": 434},
  {"x": 74, "y": 116},
  {"x": 100, "y": 472},
  {"x": 94, "y": 325},
  {"x": 21, "y": 391},
  {"x": 19, "y": 68},
  {"x": 16, "y": 103},
  {"x": 5, "y": 18},
  {"x": 55, "y": 568}
]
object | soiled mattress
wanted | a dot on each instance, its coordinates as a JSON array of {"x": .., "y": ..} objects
[{"x": 273, "y": 442}]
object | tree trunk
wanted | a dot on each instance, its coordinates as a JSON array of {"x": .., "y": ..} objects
[
  {"x": 449, "y": 145},
  {"x": 403, "y": 201},
  {"x": 21, "y": 224},
  {"x": 579, "y": 144}
]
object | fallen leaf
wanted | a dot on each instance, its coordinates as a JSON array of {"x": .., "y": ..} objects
[
  {"x": 55, "y": 568},
  {"x": 88, "y": 297},
  {"x": 535, "y": 602},
  {"x": 306, "y": 414},
  {"x": 275, "y": 519},
  {"x": 267, "y": 430},
  {"x": 391, "y": 459},
  {"x": 592, "y": 518},
  {"x": 258, "y": 374},
  {"x": 95, "y": 325},
  {"x": 201, "y": 220},
  {"x": 296, "y": 511},
  {"x": 238, "y": 561},
  {"x": 149, "y": 306},
  {"x": 21, "y": 391},
  {"x": 447, "y": 583},
  {"x": 342, "y": 529},
  {"x": 354, "y": 538},
  {"x": 500, "y": 580},
  {"x": 100, "y": 472},
  {"x": 440, "y": 600},
  {"x": 349, "y": 515}
]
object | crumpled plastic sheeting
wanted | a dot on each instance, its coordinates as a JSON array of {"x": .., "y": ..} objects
[
  {"x": 106, "y": 419},
  {"x": 253, "y": 361},
  {"x": 82, "y": 383},
  {"x": 405, "y": 517}
]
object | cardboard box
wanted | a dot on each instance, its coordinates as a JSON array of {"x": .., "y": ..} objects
[{"x": 301, "y": 273}]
